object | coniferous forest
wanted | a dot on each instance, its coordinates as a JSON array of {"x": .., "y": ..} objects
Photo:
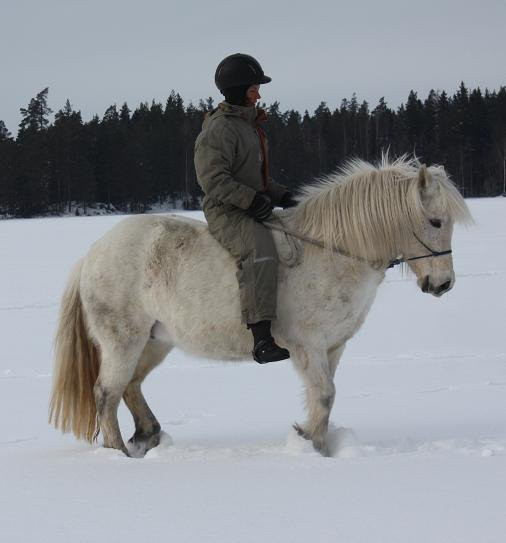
[{"x": 129, "y": 160}]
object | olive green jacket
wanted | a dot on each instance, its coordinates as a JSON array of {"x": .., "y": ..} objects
[{"x": 229, "y": 159}]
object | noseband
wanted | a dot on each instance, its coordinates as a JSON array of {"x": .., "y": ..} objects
[{"x": 392, "y": 263}]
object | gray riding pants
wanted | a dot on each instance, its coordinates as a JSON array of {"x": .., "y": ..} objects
[{"x": 252, "y": 245}]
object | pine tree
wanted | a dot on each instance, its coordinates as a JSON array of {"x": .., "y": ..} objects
[
  {"x": 4, "y": 133},
  {"x": 7, "y": 147},
  {"x": 35, "y": 116},
  {"x": 429, "y": 148},
  {"x": 443, "y": 130},
  {"x": 413, "y": 121},
  {"x": 32, "y": 160},
  {"x": 124, "y": 114},
  {"x": 322, "y": 124},
  {"x": 363, "y": 122},
  {"x": 461, "y": 135},
  {"x": 496, "y": 107},
  {"x": 173, "y": 176},
  {"x": 293, "y": 171},
  {"x": 72, "y": 178},
  {"x": 479, "y": 142},
  {"x": 381, "y": 128}
]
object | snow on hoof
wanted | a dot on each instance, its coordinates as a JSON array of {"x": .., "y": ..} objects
[
  {"x": 137, "y": 449},
  {"x": 297, "y": 444},
  {"x": 139, "y": 446},
  {"x": 339, "y": 443},
  {"x": 343, "y": 442},
  {"x": 110, "y": 454},
  {"x": 163, "y": 448}
]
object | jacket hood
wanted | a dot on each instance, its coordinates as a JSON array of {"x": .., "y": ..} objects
[{"x": 224, "y": 109}]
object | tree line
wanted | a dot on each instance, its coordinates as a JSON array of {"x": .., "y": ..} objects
[{"x": 129, "y": 160}]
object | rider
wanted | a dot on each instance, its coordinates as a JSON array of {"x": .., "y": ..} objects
[{"x": 232, "y": 168}]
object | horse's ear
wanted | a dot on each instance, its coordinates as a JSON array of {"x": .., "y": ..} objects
[
  {"x": 423, "y": 177},
  {"x": 426, "y": 185}
]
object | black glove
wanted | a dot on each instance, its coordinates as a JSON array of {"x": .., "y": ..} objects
[
  {"x": 260, "y": 208},
  {"x": 287, "y": 200}
]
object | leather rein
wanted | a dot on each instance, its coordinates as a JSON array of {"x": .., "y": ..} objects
[{"x": 391, "y": 264}]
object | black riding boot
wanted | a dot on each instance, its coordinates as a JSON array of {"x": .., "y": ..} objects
[{"x": 265, "y": 348}]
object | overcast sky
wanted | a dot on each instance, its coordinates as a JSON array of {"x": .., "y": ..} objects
[{"x": 100, "y": 52}]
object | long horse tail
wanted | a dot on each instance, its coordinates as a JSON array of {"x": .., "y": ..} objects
[{"x": 77, "y": 362}]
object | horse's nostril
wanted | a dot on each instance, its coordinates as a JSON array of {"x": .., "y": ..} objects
[
  {"x": 425, "y": 284},
  {"x": 444, "y": 287}
]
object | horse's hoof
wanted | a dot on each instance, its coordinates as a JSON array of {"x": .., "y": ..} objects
[
  {"x": 319, "y": 444},
  {"x": 300, "y": 431},
  {"x": 321, "y": 447},
  {"x": 140, "y": 444}
]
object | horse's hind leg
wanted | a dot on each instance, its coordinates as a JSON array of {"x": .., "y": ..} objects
[
  {"x": 147, "y": 428},
  {"x": 320, "y": 391},
  {"x": 117, "y": 367}
]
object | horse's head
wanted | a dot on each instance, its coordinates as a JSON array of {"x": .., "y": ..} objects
[
  {"x": 378, "y": 213},
  {"x": 440, "y": 206}
]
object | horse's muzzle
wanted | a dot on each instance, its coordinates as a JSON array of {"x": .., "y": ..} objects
[{"x": 438, "y": 290}]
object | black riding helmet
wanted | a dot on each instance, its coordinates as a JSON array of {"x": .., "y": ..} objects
[{"x": 239, "y": 70}]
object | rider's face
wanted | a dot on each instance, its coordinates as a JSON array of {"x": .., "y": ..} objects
[{"x": 252, "y": 94}]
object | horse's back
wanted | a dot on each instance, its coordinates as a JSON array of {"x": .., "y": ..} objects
[{"x": 143, "y": 247}]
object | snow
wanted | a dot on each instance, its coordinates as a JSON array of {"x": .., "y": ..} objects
[{"x": 418, "y": 431}]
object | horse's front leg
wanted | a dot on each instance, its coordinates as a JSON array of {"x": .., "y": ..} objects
[{"x": 317, "y": 373}]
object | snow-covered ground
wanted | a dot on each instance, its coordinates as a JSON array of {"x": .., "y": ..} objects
[{"x": 419, "y": 421}]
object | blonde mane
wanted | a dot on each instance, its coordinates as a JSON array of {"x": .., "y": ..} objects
[{"x": 369, "y": 211}]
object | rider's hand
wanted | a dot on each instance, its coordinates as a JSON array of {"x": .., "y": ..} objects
[
  {"x": 260, "y": 208},
  {"x": 287, "y": 200}
]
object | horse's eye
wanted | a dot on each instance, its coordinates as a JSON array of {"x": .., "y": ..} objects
[{"x": 436, "y": 223}]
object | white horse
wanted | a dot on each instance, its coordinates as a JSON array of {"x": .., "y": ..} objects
[{"x": 155, "y": 282}]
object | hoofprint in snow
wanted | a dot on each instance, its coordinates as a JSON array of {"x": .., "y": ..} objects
[{"x": 418, "y": 436}]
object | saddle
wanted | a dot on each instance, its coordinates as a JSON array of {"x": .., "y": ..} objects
[{"x": 288, "y": 247}]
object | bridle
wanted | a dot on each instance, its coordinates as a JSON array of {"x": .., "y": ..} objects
[
  {"x": 391, "y": 264},
  {"x": 432, "y": 253}
]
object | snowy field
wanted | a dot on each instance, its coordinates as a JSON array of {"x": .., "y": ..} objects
[{"x": 419, "y": 422}]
